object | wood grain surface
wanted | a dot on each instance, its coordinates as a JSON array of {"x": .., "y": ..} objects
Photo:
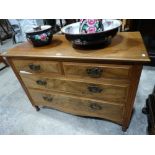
[
  {"x": 77, "y": 106},
  {"x": 107, "y": 92},
  {"x": 125, "y": 47},
  {"x": 35, "y": 66},
  {"x": 81, "y": 70}
]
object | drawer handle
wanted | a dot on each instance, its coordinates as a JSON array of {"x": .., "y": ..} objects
[
  {"x": 95, "y": 72},
  {"x": 95, "y": 106},
  {"x": 34, "y": 67},
  {"x": 41, "y": 82},
  {"x": 95, "y": 89},
  {"x": 48, "y": 98}
]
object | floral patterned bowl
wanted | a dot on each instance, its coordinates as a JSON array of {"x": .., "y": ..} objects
[
  {"x": 40, "y": 36},
  {"x": 91, "y": 40},
  {"x": 91, "y": 26}
]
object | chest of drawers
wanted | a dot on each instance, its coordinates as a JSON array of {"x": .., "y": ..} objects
[{"x": 99, "y": 83}]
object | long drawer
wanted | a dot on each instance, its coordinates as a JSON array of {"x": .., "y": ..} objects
[
  {"x": 34, "y": 66},
  {"x": 77, "y": 106},
  {"x": 106, "y": 92},
  {"x": 98, "y": 71}
]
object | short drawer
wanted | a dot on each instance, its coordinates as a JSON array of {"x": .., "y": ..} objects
[
  {"x": 84, "y": 70},
  {"x": 78, "y": 106},
  {"x": 107, "y": 92},
  {"x": 35, "y": 66}
]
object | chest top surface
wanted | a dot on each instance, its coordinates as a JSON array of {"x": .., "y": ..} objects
[{"x": 125, "y": 46}]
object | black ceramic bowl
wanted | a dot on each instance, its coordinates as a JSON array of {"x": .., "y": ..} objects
[
  {"x": 40, "y": 36},
  {"x": 91, "y": 40}
]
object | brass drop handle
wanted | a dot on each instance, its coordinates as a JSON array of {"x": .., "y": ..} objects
[
  {"x": 34, "y": 67},
  {"x": 41, "y": 82},
  {"x": 95, "y": 72},
  {"x": 95, "y": 106},
  {"x": 95, "y": 89},
  {"x": 48, "y": 98}
]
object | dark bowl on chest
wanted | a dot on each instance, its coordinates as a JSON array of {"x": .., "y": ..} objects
[
  {"x": 40, "y": 36},
  {"x": 91, "y": 40}
]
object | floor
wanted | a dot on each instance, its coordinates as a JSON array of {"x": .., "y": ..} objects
[{"x": 18, "y": 117}]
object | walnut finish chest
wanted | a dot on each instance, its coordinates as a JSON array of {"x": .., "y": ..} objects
[{"x": 98, "y": 83}]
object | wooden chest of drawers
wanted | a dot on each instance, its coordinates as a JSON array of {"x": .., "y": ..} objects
[{"x": 100, "y": 83}]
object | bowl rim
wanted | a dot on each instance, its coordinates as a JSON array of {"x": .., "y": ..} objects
[
  {"x": 83, "y": 34},
  {"x": 45, "y": 27}
]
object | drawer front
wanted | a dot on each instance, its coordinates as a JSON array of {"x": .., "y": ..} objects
[
  {"x": 98, "y": 91},
  {"x": 97, "y": 70},
  {"x": 34, "y": 66},
  {"x": 78, "y": 106}
]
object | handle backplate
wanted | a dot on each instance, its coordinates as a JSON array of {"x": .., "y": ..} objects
[
  {"x": 41, "y": 82},
  {"x": 95, "y": 106},
  {"x": 48, "y": 98},
  {"x": 34, "y": 67},
  {"x": 95, "y": 89},
  {"x": 94, "y": 72}
]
